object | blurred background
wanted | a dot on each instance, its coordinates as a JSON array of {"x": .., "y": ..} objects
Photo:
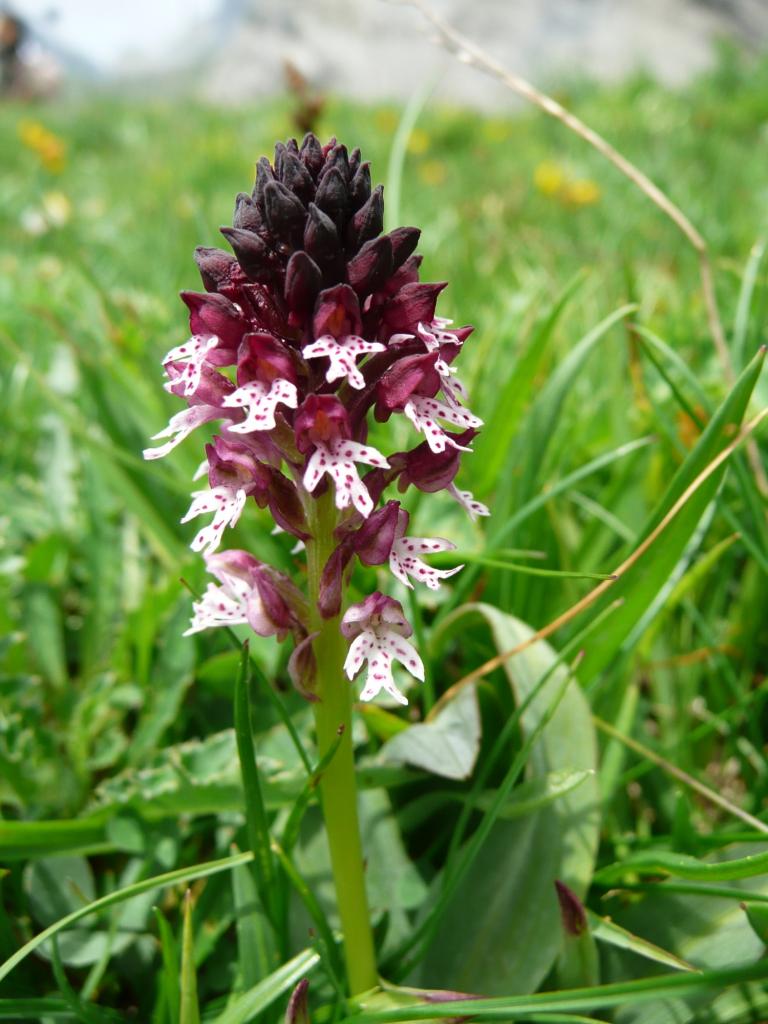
[{"x": 231, "y": 51}]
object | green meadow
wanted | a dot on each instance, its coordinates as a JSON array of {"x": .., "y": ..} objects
[{"x": 624, "y": 754}]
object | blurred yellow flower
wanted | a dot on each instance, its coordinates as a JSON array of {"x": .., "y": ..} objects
[
  {"x": 554, "y": 181},
  {"x": 581, "y": 193},
  {"x": 418, "y": 142},
  {"x": 49, "y": 148},
  {"x": 432, "y": 172},
  {"x": 548, "y": 178}
]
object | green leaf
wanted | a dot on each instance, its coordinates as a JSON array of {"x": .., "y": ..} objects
[
  {"x": 639, "y": 585},
  {"x": 170, "y": 978},
  {"x": 189, "y": 1010},
  {"x": 511, "y": 938},
  {"x": 607, "y": 931},
  {"x": 255, "y": 944},
  {"x": 447, "y": 746}
]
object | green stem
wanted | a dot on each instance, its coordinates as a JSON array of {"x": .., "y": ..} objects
[{"x": 338, "y": 788}]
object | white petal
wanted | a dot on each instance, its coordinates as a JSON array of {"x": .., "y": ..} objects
[
  {"x": 180, "y": 427},
  {"x": 215, "y": 608},
  {"x": 317, "y": 467},
  {"x": 404, "y": 651},
  {"x": 358, "y": 652},
  {"x": 466, "y": 500},
  {"x": 380, "y": 678},
  {"x": 261, "y": 404},
  {"x": 226, "y": 505},
  {"x": 194, "y": 353},
  {"x": 360, "y": 453},
  {"x": 342, "y": 354}
]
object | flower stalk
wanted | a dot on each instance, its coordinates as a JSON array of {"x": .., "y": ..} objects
[{"x": 338, "y": 786}]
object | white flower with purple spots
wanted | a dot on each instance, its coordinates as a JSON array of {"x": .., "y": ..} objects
[
  {"x": 194, "y": 353},
  {"x": 425, "y": 412},
  {"x": 226, "y": 503},
  {"x": 467, "y": 500},
  {"x": 342, "y": 353},
  {"x": 180, "y": 427},
  {"x": 378, "y": 630},
  {"x": 260, "y": 402},
  {"x": 404, "y": 561},
  {"x": 337, "y": 458}
]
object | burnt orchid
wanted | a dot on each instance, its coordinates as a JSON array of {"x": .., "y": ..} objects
[{"x": 317, "y": 324}]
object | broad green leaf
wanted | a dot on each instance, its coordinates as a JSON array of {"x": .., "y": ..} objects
[
  {"x": 642, "y": 581},
  {"x": 56, "y": 886},
  {"x": 511, "y": 936},
  {"x": 447, "y": 746}
]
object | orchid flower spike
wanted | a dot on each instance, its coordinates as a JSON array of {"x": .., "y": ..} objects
[{"x": 315, "y": 326}]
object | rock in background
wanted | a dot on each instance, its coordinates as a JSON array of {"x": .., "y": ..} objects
[{"x": 372, "y": 49}]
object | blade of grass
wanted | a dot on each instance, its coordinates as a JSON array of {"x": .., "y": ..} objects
[
  {"x": 170, "y": 969},
  {"x": 257, "y": 825},
  {"x": 189, "y": 1009},
  {"x": 177, "y": 877},
  {"x": 249, "y": 1005}
]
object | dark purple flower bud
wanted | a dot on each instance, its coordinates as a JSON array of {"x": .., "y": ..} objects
[
  {"x": 413, "y": 304},
  {"x": 321, "y": 419},
  {"x": 331, "y": 196},
  {"x": 285, "y": 213},
  {"x": 273, "y": 490},
  {"x": 375, "y": 611},
  {"x": 231, "y": 465},
  {"x": 572, "y": 913},
  {"x": 303, "y": 280},
  {"x": 408, "y": 376},
  {"x": 296, "y": 177},
  {"x": 368, "y": 221},
  {"x": 332, "y": 581},
  {"x": 302, "y": 669},
  {"x": 321, "y": 239},
  {"x": 210, "y": 313},
  {"x": 311, "y": 154},
  {"x": 337, "y": 158},
  {"x": 253, "y": 254},
  {"x": 248, "y": 216},
  {"x": 360, "y": 186},
  {"x": 354, "y": 160},
  {"x": 337, "y": 312},
  {"x": 298, "y": 1011},
  {"x": 278, "y": 161},
  {"x": 404, "y": 242},
  {"x": 370, "y": 268},
  {"x": 264, "y": 175},
  {"x": 430, "y": 471},
  {"x": 263, "y": 357},
  {"x": 373, "y": 541},
  {"x": 407, "y": 274},
  {"x": 216, "y": 267}
]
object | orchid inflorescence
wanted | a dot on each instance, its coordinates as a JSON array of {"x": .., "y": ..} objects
[{"x": 324, "y": 320}]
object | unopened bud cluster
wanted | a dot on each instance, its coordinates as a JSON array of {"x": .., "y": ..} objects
[{"x": 315, "y": 323}]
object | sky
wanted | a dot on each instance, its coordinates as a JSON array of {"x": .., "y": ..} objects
[{"x": 109, "y": 33}]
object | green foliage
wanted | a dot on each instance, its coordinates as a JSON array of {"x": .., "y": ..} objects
[{"x": 121, "y": 760}]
